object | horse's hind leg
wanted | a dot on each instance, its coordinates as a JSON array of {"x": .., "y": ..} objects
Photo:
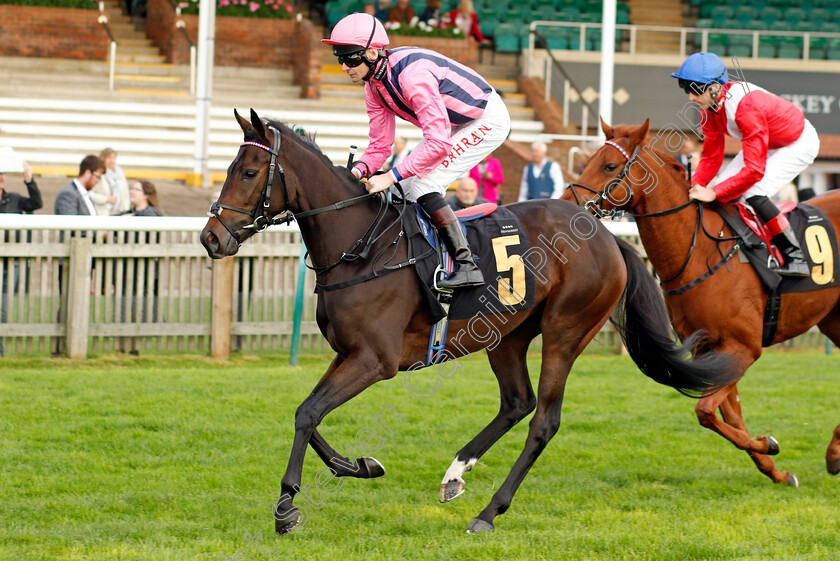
[
  {"x": 517, "y": 400},
  {"x": 543, "y": 427},
  {"x": 831, "y": 327}
]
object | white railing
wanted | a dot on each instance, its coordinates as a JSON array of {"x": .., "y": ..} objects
[
  {"x": 81, "y": 284},
  {"x": 682, "y": 33},
  {"x": 112, "y": 46}
]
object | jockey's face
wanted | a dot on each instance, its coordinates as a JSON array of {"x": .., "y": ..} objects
[{"x": 707, "y": 99}]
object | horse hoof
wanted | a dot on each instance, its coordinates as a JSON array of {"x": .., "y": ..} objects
[
  {"x": 373, "y": 467},
  {"x": 772, "y": 446},
  {"x": 792, "y": 480},
  {"x": 833, "y": 466},
  {"x": 286, "y": 522},
  {"x": 479, "y": 526},
  {"x": 451, "y": 489}
]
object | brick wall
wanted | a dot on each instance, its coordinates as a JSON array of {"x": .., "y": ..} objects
[
  {"x": 464, "y": 51},
  {"x": 52, "y": 32}
]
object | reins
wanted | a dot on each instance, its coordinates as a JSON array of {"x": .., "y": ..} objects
[
  {"x": 599, "y": 211},
  {"x": 371, "y": 236}
]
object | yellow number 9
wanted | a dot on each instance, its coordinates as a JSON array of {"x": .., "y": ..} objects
[{"x": 819, "y": 247}]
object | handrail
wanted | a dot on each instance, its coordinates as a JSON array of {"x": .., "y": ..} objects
[
  {"x": 683, "y": 33},
  {"x": 180, "y": 24},
  {"x": 112, "y": 46}
]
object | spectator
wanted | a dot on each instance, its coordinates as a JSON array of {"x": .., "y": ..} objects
[
  {"x": 116, "y": 181},
  {"x": 370, "y": 8},
  {"x": 431, "y": 14},
  {"x": 398, "y": 153},
  {"x": 75, "y": 197},
  {"x": 489, "y": 176},
  {"x": 382, "y": 8},
  {"x": 466, "y": 195},
  {"x": 402, "y": 13},
  {"x": 464, "y": 18},
  {"x": 542, "y": 178},
  {"x": 14, "y": 203},
  {"x": 144, "y": 200}
]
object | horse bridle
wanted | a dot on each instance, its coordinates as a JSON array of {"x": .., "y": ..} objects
[
  {"x": 698, "y": 226},
  {"x": 596, "y": 205},
  {"x": 260, "y": 212}
]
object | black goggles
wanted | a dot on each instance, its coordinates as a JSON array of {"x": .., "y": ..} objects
[
  {"x": 352, "y": 59},
  {"x": 690, "y": 87}
]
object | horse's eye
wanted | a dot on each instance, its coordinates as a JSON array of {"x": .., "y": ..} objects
[
  {"x": 611, "y": 167},
  {"x": 249, "y": 174}
]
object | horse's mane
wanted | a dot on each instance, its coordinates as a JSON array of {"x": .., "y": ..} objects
[
  {"x": 307, "y": 141},
  {"x": 671, "y": 164}
]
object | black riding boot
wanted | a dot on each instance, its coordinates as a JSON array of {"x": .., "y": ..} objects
[
  {"x": 467, "y": 273},
  {"x": 795, "y": 263}
]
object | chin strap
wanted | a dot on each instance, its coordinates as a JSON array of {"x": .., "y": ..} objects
[{"x": 377, "y": 73}]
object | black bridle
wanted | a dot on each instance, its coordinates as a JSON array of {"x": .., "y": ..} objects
[
  {"x": 596, "y": 205},
  {"x": 260, "y": 212},
  {"x": 600, "y": 212},
  {"x": 262, "y": 218}
]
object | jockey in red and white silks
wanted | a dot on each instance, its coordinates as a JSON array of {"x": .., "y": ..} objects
[
  {"x": 778, "y": 143},
  {"x": 462, "y": 118}
]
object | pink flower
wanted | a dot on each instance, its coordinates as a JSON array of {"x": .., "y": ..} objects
[
  {"x": 254, "y": 6},
  {"x": 288, "y": 8},
  {"x": 276, "y": 7},
  {"x": 224, "y": 3}
]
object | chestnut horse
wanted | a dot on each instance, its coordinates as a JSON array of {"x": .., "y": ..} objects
[
  {"x": 687, "y": 247},
  {"x": 381, "y": 326}
]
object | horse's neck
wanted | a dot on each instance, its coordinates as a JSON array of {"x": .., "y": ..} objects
[
  {"x": 327, "y": 235},
  {"x": 669, "y": 238}
]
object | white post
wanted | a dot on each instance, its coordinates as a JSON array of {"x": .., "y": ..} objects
[
  {"x": 567, "y": 91},
  {"x": 204, "y": 89},
  {"x": 605, "y": 101},
  {"x": 192, "y": 69},
  {"x": 113, "y": 56},
  {"x": 547, "y": 76}
]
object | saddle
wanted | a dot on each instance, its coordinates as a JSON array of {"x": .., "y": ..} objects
[
  {"x": 818, "y": 241},
  {"x": 499, "y": 245}
]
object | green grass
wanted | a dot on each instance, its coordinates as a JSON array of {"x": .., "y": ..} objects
[{"x": 177, "y": 458}]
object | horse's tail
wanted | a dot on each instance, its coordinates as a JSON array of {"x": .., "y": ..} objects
[{"x": 642, "y": 320}]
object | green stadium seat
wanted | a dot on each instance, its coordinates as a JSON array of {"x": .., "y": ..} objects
[
  {"x": 819, "y": 15},
  {"x": 721, "y": 14},
  {"x": 745, "y": 14},
  {"x": 506, "y": 38},
  {"x": 787, "y": 50},
  {"x": 829, "y": 27},
  {"x": 832, "y": 54},
  {"x": 770, "y": 15},
  {"x": 794, "y": 15},
  {"x": 739, "y": 50},
  {"x": 766, "y": 50}
]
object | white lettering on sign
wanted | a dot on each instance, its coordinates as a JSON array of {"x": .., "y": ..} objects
[{"x": 811, "y": 103}]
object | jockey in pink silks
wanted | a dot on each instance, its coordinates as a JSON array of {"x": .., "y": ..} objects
[{"x": 462, "y": 117}]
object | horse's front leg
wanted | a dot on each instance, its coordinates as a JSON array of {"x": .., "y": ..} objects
[{"x": 342, "y": 381}]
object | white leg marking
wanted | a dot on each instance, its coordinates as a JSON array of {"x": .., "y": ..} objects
[{"x": 457, "y": 469}]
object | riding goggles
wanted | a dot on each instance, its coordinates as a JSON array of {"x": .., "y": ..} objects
[
  {"x": 352, "y": 60},
  {"x": 690, "y": 87}
]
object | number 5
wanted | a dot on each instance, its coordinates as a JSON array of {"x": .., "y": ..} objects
[{"x": 510, "y": 294}]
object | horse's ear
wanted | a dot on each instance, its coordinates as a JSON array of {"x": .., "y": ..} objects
[
  {"x": 243, "y": 122},
  {"x": 608, "y": 130},
  {"x": 638, "y": 136},
  {"x": 257, "y": 123}
]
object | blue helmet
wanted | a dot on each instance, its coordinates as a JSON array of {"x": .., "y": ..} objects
[{"x": 703, "y": 68}]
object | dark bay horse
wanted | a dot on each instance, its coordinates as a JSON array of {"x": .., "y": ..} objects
[
  {"x": 381, "y": 326},
  {"x": 684, "y": 244}
]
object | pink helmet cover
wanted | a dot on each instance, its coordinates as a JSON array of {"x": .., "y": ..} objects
[{"x": 363, "y": 30}]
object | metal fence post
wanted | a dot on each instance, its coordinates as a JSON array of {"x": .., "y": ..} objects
[{"x": 295, "y": 343}]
